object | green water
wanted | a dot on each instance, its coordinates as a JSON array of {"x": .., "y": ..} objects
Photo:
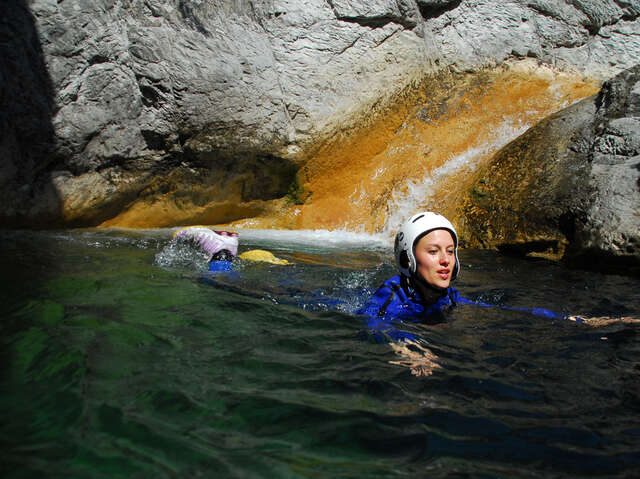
[{"x": 119, "y": 361}]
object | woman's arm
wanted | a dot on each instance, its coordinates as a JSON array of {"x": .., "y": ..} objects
[
  {"x": 604, "y": 320},
  {"x": 545, "y": 313}
]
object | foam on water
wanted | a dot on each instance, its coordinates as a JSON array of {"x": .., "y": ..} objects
[
  {"x": 184, "y": 255},
  {"x": 181, "y": 254},
  {"x": 315, "y": 240}
]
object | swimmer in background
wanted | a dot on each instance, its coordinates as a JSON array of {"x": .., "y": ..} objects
[
  {"x": 222, "y": 248},
  {"x": 426, "y": 253}
]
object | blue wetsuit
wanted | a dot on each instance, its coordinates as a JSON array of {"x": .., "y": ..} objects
[
  {"x": 220, "y": 269},
  {"x": 220, "y": 266},
  {"x": 397, "y": 301}
]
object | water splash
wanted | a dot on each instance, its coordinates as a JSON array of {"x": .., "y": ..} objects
[
  {"x": 179, "y": 254},
  {"x": 354, "y": 289}
]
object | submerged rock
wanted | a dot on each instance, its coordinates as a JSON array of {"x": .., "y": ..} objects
[{"x": 569, "y": 187}]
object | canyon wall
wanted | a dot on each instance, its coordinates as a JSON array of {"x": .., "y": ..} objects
[{"x": 314, "y": 114}]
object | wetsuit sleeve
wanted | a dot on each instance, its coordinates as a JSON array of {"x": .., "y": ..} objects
[
  {"x": 219, "y": 270},
  {"x": 220, "y": 266},
  {"x": 545, "y": 313},
  {"x": 379, "y": 325},
  {"x": 382, "y": 330}
]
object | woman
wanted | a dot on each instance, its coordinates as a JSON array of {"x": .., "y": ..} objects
[{"x": 426, "y": 253}]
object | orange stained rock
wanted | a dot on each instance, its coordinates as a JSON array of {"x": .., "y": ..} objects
[
  {"x": 418, "y": 151},
  {"x": 164, "y": 212},
  {"x": 357, "y": 179}
]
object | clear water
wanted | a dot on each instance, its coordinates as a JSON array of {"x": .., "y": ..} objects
[{"x": 119, "y": 361}]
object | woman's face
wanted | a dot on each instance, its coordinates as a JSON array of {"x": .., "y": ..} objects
[{"x": 435, "y": 255}]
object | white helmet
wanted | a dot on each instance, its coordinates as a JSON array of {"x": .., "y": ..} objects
[{"x": 410, "y": 233}]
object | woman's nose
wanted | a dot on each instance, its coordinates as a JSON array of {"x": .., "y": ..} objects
[{"x": 444, "y": 258}]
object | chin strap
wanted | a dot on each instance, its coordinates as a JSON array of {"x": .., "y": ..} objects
[{"x": 421, "y": 286}]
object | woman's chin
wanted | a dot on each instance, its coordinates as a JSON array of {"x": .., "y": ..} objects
[{"x": 440, "y": 284}]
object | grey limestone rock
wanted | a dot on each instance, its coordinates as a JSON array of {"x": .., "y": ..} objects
[
  {"x": 600, "y": 38},
  {"x": 26, "y": 107},
  {"x": 114, "y": 87},
  {"x": 611, "y": 225},
  {"x": 375, "y": 12}
]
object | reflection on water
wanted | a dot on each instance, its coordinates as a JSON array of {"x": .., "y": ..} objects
[{"x": 118, "y": 364}]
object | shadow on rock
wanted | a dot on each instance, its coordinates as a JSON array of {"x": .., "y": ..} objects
[{"x": 27, "y": 106}]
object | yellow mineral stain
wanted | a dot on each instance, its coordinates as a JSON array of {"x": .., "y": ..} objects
[
  {"x": 164, "y": 212},
  {"x": 358, "y": 178},
  {"x": 416, "y": 150}
]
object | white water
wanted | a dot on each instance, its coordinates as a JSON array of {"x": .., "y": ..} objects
[
  {"x": 316, "y": 240},
  {"x": 284, "y": 240}
]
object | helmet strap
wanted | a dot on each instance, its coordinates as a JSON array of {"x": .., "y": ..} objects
[{"x": 427, "y": 292}]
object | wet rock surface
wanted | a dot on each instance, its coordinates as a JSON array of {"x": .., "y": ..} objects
[{"x": 569, "y": 187}]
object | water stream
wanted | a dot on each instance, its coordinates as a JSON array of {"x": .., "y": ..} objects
[{"x": 119, "y": 360}]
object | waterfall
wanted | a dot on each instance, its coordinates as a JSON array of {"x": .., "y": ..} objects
[{"x": 419, "y": 193}]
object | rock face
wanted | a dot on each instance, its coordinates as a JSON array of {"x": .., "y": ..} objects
[
  {"x": 569, "y": 187},
  {"x": 419, "y": 154},
  {"x": 145, "y": 88},
  {"x": 610, "y": 229},
  {"x": 27, "y": 106},
  {"x": 598, "y": 36},
  {"x": 104, "y": 100}
]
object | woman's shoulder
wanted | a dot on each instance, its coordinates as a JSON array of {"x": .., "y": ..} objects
[{"x": 392, "y": 281}]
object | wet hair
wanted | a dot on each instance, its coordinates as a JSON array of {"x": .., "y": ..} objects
[{"x": 222, "y": 255}]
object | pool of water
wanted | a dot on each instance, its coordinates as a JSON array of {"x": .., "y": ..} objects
[{"x": 119, "y": 360}]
